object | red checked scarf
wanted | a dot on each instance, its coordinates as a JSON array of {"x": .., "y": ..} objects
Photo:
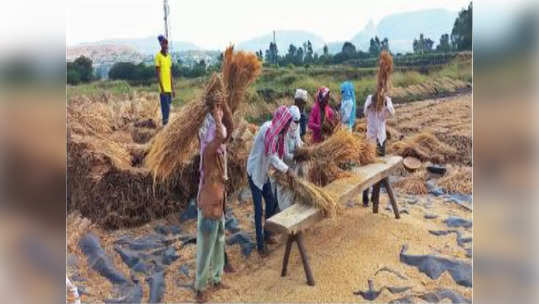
[{"x": 280, "y": 120}]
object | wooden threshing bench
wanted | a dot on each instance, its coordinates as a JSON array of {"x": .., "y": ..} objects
[{"x": 296, "y": 218}]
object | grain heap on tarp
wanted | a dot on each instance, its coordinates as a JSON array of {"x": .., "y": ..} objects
[
  {"x": 328, "y": 158},
  {"x": 458, "y": 180},
  {"x": 424, "y": 146},
  {"x": 310, "y": 194},
  {"x": 106, "y": 180}
]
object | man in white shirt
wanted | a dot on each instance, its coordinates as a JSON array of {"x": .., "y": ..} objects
[{"x": 268, "y": 149}]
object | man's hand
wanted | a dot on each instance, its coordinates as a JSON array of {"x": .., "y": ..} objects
[
  {"x": 291, "y": 175},
  {"x": 173, "y": 93}
]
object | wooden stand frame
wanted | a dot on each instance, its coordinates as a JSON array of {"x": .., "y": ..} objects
[{"x": 298, "y": 238}]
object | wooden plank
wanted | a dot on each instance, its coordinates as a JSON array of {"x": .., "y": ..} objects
[{"x": 300, "y": 216}]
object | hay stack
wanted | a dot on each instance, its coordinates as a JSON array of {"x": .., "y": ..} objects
[
  {"x": 238, "y": 151},
  {"x": 106, "y": 180},
  {"x": 424, "y": 146},
  {"x": 174, "y": 146},
  {"x": 459, "y": 180},
  {"x": 310, "y": 194}
]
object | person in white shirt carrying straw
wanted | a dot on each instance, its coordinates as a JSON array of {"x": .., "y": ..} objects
[{"x": 378, "y": 108}]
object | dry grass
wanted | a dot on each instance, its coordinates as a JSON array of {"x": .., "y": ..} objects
[
  {"x": 173, "y": 147},
  {"x": 458, "y": 180},
  {"x": 240, "y": 69},
  {"x": 238, "y": 151},
  {"x": 310, "y": 194},
  {"x": 413, "y": 183},
  {"x": 424, "y": 146},
  {"x": 340, "y": 149}
]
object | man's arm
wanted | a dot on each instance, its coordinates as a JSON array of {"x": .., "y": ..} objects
[
  {"x": 228, "y": 121},
  {"x": 159, "y": 81},
  {"x": 172, "y": 82}
]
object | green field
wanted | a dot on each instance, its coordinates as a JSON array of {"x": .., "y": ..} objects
[{"x": 276, "y": 84}]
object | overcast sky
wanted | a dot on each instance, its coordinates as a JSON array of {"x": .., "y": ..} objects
[{"x": 213, "y": 24}]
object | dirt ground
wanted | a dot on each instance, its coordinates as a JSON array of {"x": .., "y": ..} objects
[{"x": 344, "y": 253}]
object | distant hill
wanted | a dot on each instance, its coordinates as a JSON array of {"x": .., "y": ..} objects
[
  {"x": 105, "y": 53},
  {"x": 401, "y": 29},
  {"x": 283, "y": 39},
  {"x": 146, "y": 46}
]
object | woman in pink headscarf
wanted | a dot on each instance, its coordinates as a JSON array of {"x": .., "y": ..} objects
[
  {"x": 316, "y": 119},
  {"x": 268, "y": 149}
]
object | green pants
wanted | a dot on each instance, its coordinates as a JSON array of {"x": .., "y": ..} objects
[{"x": 210, "y": 250}]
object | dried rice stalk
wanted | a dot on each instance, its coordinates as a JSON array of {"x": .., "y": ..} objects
[
  {"x": 310, "y": 194},
  {"x": 458, "y": 181},
  {"x": 424, "y": 146},
  {"x": 172, "y": 147},
  {"x": 414, "y": 183},
  {"x": 341, "y": 147},
  {"x": 239, "y": 70}
]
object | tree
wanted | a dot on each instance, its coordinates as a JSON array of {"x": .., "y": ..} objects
[
  {"x": 308, "y": 47},
  {"x": 326, "y": 50},
  {"x": 348, "y": 49},
  {"x": 461, "y": 35},
  {"x": 375, "y": 46},
  {"x": 384, "y": 45},
  {"x": 80, "y": 70},
  {"x": 84, "y": 67},
  {"x": 272, "y": 54},
  {"x": 423, "y": 45},
  {"x": 444, "y": 45},
  {"x": 299, "y": 56}
]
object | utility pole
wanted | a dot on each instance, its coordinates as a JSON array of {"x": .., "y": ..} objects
[{"x": 166, "y": 12}]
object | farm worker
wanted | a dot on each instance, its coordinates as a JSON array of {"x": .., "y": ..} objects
[
  {"x": 268, "y": 149},
  {"x": 378, "y": 108},
  {"x": 163, "y": 69},
  {"x": 300, "y": 100},
  {"x": 321, "y": 115},
  {"x": 348, "y": 105},
  {"x": 292, "y": 141},
  {"x": 215, "y": 130}
]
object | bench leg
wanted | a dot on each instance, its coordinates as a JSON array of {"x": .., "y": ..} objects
[
  {"x": 305, "y": 259},
  {"x": 391, "y": 195},
  {"x": 375, "y": 197},
  {"x": 291, "y": 238}
]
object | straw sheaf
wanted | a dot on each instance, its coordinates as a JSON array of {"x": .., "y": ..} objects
[
  {"x": 174, "y": 145},
  {"x": 424, "y": 146},
  {"x": 328, "y": 158},
  {"x": 458, "y": 180},
  {"x": 240, "y": 69},
  {"x": 310, "y": 194}
]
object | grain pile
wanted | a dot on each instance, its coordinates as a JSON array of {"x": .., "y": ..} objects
[{"x": 328, "y": 159}]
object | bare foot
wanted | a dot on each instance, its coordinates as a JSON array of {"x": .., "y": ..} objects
[{"x": 201, "y": 297}]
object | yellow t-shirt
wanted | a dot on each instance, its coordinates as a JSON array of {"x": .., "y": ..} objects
[{"x": 164, "y": 63}]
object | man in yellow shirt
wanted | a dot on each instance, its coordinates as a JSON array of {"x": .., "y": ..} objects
[{"x": 163, "y": 68}]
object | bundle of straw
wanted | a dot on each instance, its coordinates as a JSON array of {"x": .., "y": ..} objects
[
  {"x": 239, "y": 70},
  {"x": 343, "y": 146},
  {"x": 310, "y": 194},
  {"x": 459, "y": 180},
  {"x": 424, "y": 146},
  {"x": 172, "y": 147},
  {"x": 413, "y": 183}
]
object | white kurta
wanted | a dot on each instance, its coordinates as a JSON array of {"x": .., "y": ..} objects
[
  {"x": 258, "y": 162},
  {"x": 376, "y": 121}
]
